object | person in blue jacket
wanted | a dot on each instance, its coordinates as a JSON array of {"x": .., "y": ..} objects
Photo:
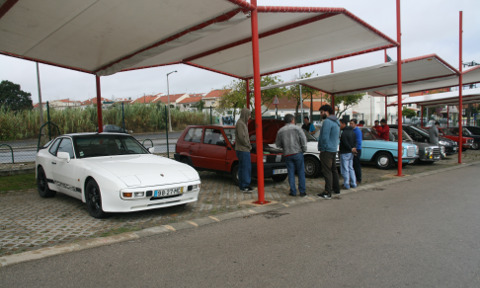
[
  {"x": 356, "y": 157},
  {"x": 328, "y": 141}
]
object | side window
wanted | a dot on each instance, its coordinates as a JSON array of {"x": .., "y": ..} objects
[
  {"x": 212, "y": 136},
  {"x": 53, "y": 148},
  {"x": 367, "y": 135},
  {"x": 194, "y": 135},
  {"x": 66, "y": 146}
]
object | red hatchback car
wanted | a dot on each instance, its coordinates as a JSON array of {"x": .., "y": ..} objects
[
  {"x": 211, "y": 148},
  {"x": 467, "y": 142}
]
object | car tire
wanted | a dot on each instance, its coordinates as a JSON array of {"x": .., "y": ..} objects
[
  {"x": 93, "y": 198},
  {"x": 42, "y": 185},
  {"x": 475, "y": 146},
  {"x": 186, "y": 160},
  {"x": 234, "y": 174},
  {"x": 384, "y": 160},
  {"x": 279, "y": 178},
  {"x": 312, "y": 167}
]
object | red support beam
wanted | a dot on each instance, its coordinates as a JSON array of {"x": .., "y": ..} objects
[
  {"x": 460, "y": 88},
  {"x": 258, "y": 107},
  {"x": 99, "y": 105},
  {"x": 248, "y": 92},
  {"x": 399, "y": 89}
]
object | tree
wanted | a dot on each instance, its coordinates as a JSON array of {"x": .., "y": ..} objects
[
  {"x": 346, "y": 102},
  {"x": 409, "y": 113},
  {"x": 237, "y": 91},
  {"x": 13, "y": 98}
]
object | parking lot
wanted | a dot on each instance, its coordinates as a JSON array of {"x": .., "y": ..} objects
[{"x": 28, "y": 222}]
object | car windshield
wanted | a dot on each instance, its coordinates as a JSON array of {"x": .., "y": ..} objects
[
  {"x": 370, "y": 134},
  {"x": 474, "y": 130},
  {"x": 230, "y": 133},
  {"x": 405, "y": 137},
  {"x": 106, "y": 145}
]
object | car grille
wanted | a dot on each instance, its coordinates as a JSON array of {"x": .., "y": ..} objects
[
  {"x": 275, "y": 158},
  {"x": 411, "y": 151},
  {"x": 436, "y": 152}
]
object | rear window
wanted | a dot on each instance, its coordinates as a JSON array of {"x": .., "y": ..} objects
[{"x": 194, "y": 135}]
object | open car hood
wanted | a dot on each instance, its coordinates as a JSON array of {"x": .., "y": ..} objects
[{"x": 269, "y": 131}]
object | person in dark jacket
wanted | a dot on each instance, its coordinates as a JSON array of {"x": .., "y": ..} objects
[
  {"x": 356, "y": 156},
  {"x": 348, "y": 146}
]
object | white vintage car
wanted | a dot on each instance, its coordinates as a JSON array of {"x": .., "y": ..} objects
[{"x": 113, "y": 172}]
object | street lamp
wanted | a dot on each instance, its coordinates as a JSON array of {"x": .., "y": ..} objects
[{"x": 168, "y": 98}]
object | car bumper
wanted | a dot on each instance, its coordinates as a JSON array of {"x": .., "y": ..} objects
[
  {"x": 116, "y": 204},
  {"x": 270, "y": 169}
]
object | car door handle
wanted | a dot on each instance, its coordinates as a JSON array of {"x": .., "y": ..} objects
[{"x": 54, "y": 163}]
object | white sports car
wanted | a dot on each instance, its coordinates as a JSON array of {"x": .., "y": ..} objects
[{"x": 113, "y": 172}]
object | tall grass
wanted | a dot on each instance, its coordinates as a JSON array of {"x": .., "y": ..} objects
[{"x": 15, "y": 125}]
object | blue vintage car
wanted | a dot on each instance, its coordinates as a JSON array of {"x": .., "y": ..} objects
[{"x": 384, "y": 154}]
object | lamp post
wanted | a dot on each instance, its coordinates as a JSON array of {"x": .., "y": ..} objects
[{"x": 168, "y": 98}]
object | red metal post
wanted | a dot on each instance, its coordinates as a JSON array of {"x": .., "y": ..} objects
[
  {"x": 448, "y": 116},
  {"x": 386, "y": 115},
  {"x": 99, "y": 104},
  {"x": 331, "y": 67},
  {"x": 248, "y": 93},
  {"x": 258, "y": 108},
  {"x": 386, "y": 57},
  {"x": 460, "y": 88},
  {"x": 333, "y": 102},
  {"x": 399, "y": 90},
  {"x": 421, "y": 116}
]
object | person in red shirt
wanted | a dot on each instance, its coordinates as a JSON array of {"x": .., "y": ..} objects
[
  {"x": 377, "y": 127},
  {"x": 384, "y": 130}
]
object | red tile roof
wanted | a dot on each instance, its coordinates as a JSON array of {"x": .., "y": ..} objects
[{"x": 217, "y": 93}]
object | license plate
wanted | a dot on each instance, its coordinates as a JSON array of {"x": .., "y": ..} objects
[
  {"x": 280, "y": 171},
  {"x": 168, "y": 192}
]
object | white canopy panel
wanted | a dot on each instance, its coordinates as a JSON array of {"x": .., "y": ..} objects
[
  {"x": 107, "y": 36},
  {"x": 446, "y": 98},
  {"x": 418, "y": 74}
]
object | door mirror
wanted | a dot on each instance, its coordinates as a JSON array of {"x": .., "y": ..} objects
[{"x": 64, "y": 156}]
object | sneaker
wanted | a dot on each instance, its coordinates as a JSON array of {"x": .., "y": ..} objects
[
  {"x": 291, "y": 194},
  {"x": 303, "y": 194},
  {"x": 324, "y": 195},
  {"x": 345, "y": 187},
  {"x": 247, "y": 190}
]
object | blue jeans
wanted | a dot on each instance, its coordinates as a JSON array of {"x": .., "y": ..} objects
[
  {"x": 346, "y": 168},
  {"x": 295, "y": 163},
  {"x": 244, "y": 169}
]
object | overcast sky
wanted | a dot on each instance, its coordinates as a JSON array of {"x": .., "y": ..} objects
[{"x": 427, "y": 27}]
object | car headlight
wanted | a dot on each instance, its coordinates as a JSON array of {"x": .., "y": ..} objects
[{"x": 443, "y": 142}]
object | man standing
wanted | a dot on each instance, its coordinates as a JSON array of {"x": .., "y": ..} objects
[
  {"x": 242, "y": 149},
  {"x": 356, "y": 156},
  {"x": 307, "y": 126},
  {"x": 328, "y": 145},
  {"x": 348, "y": 145},
  {"x": 292, "y": 140},
  {"x": 433, "y": 133}
]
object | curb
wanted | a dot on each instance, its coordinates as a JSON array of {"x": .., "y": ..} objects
[{"x": 189, "y": 224}]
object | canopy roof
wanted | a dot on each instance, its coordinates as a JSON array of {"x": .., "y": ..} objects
[
  {"x": 418, "y": 74},
  {"x": 445, "y": 98},
  {"x": 107, "y": 36}
]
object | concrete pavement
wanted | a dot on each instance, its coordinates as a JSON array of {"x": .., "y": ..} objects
[{"x": 32, "y": 227}]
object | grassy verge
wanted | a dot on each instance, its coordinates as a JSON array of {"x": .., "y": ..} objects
[{"x": 17, "y": 182}]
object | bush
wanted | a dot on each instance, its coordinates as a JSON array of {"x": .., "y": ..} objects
[{"x": 15, "y": 125}]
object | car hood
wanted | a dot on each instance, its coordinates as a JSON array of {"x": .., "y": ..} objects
[
  {"x": 270, "y": 128},
  {"x": 144, "y": 170}
]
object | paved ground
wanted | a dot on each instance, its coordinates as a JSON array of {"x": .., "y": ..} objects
[{"x": 28, "y": 222}]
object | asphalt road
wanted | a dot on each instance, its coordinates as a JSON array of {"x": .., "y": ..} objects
[{"x": 421, "y": 233}]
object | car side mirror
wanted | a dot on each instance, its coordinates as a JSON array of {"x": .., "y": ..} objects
[
  {"x": 151, "y": 150},
  {"x": 221, "y": 143},
  {"x": 64, "y": 156}
]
